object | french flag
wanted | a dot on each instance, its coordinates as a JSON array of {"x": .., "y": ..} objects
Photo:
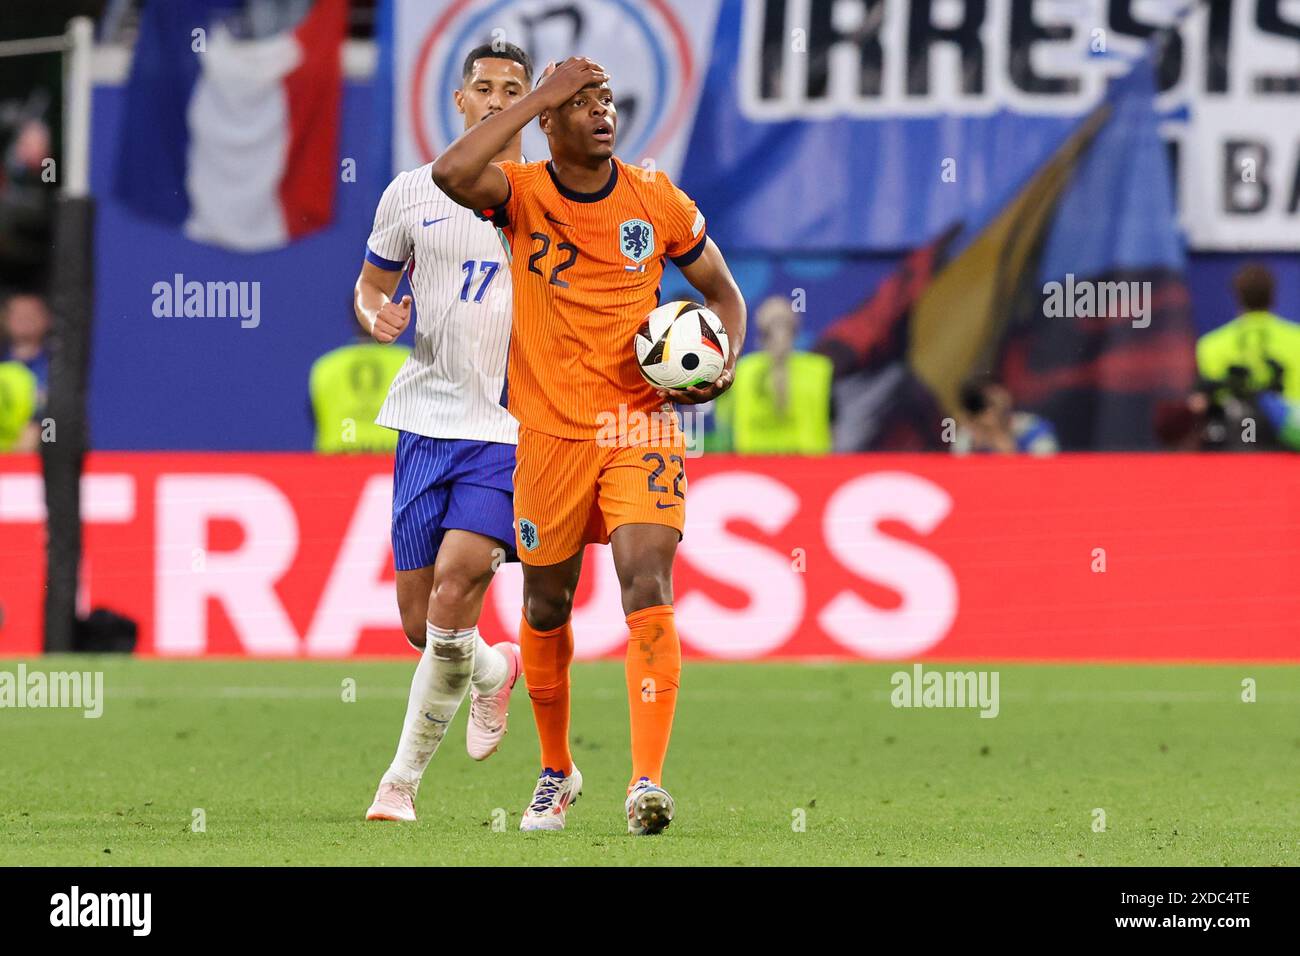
[{"x": 231, "y": 132}]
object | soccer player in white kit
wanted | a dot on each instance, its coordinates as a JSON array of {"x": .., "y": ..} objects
[{"x": 453, "y": 517}]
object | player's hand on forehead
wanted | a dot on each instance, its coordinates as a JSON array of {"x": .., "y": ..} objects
[{"x": 560, "y": 81}]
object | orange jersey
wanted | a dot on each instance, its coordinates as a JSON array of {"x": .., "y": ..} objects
[{"x": 586, "y": 270}]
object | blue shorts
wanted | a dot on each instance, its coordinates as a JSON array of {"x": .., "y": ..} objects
[{"x": 445, "y": 483}]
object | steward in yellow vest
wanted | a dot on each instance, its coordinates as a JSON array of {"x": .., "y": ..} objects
[{"x": 348, "y": 386}]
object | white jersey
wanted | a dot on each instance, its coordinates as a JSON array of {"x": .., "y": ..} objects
[{"x": 453, "y": 383}]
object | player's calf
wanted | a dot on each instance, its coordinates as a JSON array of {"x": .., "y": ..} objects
[
  {"x": 413, "y": 589},
  {"x": 457, "y": 596},
  {"x": 548, "y": 593},
  {"x": 643, "y": 587},
  {"x": 547, "y": 610}
]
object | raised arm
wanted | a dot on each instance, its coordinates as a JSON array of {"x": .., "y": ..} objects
[
  {"x": 711, "y": 277},
  {"x": 465, "y": 171}
]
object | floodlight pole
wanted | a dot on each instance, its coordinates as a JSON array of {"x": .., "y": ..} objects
[{"x": 78, "y": 51}]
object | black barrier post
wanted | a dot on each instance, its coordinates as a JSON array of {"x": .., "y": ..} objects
[{"x": 64, "y": 433}]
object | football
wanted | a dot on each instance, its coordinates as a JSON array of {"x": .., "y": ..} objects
[{"x": 681, "y": 344}]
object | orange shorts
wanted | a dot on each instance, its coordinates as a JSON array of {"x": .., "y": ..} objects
[{"x": 570, "y": 492}]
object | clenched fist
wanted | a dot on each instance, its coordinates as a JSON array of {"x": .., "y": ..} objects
[{"x": 391, "y": 320}]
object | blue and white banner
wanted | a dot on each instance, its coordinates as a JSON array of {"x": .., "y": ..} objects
[
  {"x": 656, "y": 50},
  {"x": 873, "y": 125},
  {"x": 824, "y": 126}
]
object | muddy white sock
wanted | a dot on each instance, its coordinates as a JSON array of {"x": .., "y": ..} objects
[
  {"x": 490, "y": 667},
  {"x": 441, "y": 680}
]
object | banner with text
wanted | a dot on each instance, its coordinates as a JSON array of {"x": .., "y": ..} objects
[
  {"x": 1080, "y": 557},
  {"x": 868, "y": 125}
]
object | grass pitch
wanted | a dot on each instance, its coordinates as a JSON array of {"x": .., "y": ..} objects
[{"x": 787, "y": 764}]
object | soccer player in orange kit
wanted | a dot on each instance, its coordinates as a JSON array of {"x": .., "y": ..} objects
[{"x": 589, "y": 235}]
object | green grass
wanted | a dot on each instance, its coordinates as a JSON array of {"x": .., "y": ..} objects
[{"x": 283, "y": 769}]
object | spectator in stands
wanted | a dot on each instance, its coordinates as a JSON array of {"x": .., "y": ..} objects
[
  {"x": 1257, "y": 343},
  {"x": 26, "y": 196},
  {"x": 780, "y": 403},
  {"x": 989, "y": 424},
  {"x": 24, "y": 329},
  {"x": 347, "y": 387}
]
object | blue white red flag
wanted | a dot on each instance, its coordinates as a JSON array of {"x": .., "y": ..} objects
[{"x": 230, "y": 131}]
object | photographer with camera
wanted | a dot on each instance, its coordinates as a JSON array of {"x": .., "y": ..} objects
[{"x": 1232, "y": 415}]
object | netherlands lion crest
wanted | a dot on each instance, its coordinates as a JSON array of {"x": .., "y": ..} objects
[{"x": 636, "y": 239}]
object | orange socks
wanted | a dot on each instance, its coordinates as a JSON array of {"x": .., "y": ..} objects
[
  {"x": 654, "y": 673},
  {"x": 546, "y": 657}
]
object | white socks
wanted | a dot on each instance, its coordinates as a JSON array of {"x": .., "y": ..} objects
[
  {"x": 441, "y": 680},
  {"x": 490, "y": 667},
  {"x": 450, "y": 662}
]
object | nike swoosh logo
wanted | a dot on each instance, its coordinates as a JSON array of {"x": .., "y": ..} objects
[
  {"x": 660, "y": 505},
  {"x": 550, "y": 218},
  {"x": 430, "y": 222}
]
